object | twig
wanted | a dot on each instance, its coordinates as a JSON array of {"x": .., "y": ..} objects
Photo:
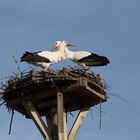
[
  {"x": 1, "y": 85},
  {"x": 100, "y": 125},
  {"x": 71, "y": 114},
  {"x": 100, "y": 110},
  {"x": 16, "y": 74},
  {"x": 1, "y": 98},
  {"x": 91, "y": 113},
  {"x": 18, "y": 67},
  {"x": 119, "y": 97},
  {"x": 2, "y": 103},
  {"x": 55, "y": 85},
  {"x": 11, "y": 121}
]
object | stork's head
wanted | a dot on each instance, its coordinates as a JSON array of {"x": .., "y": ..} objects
[
  {"x": 67, "y": 44},
  {"x": 62, "y": 44},
  {"x": 57, "y": 44}
]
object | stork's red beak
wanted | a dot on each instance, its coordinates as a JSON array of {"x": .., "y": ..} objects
[
  {"x": 56, "y": 46},
  {"x": 71, "y": 44}
]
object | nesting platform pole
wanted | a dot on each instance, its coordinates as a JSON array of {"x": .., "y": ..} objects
[
  {"x": 52, "y": 95},
  {"x": 56, "y": 121}
]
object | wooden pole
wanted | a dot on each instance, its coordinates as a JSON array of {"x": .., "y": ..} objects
[
  {"x": 61, "y": 118},
  {"x": 51, "y": 118},
  {"x": 78, "y": 123},
  {"x": 37, "y": 119},
  {"x": 56, "y": 120}
]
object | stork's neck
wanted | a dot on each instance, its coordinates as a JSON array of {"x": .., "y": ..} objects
[
  {"x": 66, "y": 52},
  {"x": 62, "y": 51}
]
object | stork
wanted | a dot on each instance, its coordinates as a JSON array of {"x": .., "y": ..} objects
[
  {"x": 44, "y": 58},
  {"x": 83, "y": 58}
]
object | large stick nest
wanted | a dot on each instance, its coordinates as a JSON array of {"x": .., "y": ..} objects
[{"x": 79, "y": 87}]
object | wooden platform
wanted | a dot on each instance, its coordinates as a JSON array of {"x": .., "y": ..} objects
[
  {"x": 80, "y": 89},
  {"x": 52, "y": 94}
]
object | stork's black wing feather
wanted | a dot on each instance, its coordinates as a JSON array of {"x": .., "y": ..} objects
[
  {"x": 94, "y": 60},
  {"x": 33, "y": 57}
]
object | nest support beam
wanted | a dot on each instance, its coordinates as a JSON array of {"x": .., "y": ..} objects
[
  {"x": 78, "y": 123},
  {"x": 37, "y": 119},
  {"x": 56, "y": 128}
]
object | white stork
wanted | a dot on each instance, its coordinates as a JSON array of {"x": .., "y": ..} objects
[
  {"x": 44, "y": 58},
  {"x": 83, "y": 58}
]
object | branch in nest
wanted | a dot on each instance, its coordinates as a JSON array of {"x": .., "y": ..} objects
[
  {"x": 18, "y": 67},
  {"x": 2, "y": 103},
  {"x": 91, "y": 111},
  {"x": 10, "y": 127},
  {"x": 119, "y": 97}
]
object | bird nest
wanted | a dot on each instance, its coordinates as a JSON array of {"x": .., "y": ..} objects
[{"x": 80, "y": 88}]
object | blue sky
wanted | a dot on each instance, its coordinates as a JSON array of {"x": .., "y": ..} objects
[{"x": 106, "y": 27}]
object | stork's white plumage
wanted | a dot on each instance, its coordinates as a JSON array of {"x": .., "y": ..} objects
[
  {"x": 44, "y": 58},
  {"x": 83, "y": 58}
]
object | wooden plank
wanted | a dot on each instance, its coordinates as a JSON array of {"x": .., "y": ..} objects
[
  {"x": 100, "y": 95},
  {"x": 60, "y": 117},
  {"x": 78, "y": 123},
  {"x": 80, "y": 83},
  {"x": 37, "y": 119}
]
